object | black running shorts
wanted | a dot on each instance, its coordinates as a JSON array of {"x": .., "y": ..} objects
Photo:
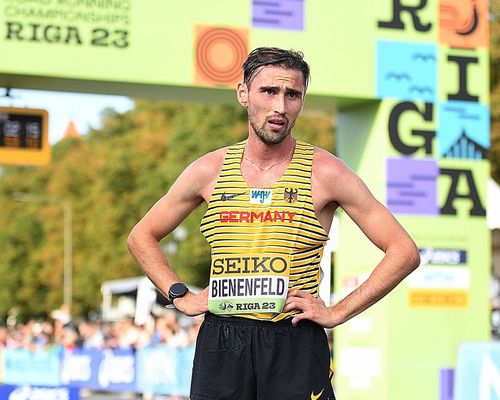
[{"x": 243, "y": 359}]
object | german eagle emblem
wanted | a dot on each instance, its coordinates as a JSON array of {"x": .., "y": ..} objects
[{"x": 291, "y": 195}]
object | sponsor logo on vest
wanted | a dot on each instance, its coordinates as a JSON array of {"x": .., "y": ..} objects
[
  {"x": 261, "y": 196},
  {"x": 226, "y": 197},
  {"x": 249, "y": 265},
  {"x": 251, "y": 217}
]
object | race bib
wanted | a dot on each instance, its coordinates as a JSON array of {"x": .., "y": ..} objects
[{"x": 248, "y": 283}]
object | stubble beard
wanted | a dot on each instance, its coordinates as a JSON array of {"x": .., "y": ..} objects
[{"x": 268, "y": 136}]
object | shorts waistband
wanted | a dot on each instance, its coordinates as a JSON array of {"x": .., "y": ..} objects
[{"x": 209, "y": 317}]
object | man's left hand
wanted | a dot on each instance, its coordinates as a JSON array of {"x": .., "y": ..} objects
[{"x": 312, "y": 308}]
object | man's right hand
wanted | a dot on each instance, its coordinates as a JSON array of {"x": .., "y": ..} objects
[{"x": 193, "y": 304}]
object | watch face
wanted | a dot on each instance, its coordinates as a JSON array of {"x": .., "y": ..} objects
[{"x": 177, "y": 290}]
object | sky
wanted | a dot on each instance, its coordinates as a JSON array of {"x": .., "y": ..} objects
[{"x": 83, "y": 109}]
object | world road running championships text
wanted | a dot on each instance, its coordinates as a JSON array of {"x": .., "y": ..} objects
[{"x": 67, "y": 35}]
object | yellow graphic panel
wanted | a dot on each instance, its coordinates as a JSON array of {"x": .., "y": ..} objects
[{"x": 438, "y": 298}]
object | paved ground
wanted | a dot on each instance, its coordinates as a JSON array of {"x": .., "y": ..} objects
[{"x": 88, "y": 395}]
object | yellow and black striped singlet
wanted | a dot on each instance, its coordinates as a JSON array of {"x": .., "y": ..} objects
[{"x": 279, "y": 219}]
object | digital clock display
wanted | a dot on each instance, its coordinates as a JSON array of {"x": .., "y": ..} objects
[{"x": 24, "y": 136}]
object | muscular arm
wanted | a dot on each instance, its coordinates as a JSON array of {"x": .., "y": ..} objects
[
  {"x": 191, "y": 188},
  {"x": 334, "y": 182}
]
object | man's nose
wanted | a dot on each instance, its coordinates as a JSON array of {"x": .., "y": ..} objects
[{"x": 279, "y": 104}]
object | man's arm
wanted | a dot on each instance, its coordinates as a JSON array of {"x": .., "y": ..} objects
[
  {"x": 335, "y": 182},
  {"x": 189, "y": 190}
]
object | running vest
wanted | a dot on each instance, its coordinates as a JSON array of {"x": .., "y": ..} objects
[{"x": 264, "y": 241}]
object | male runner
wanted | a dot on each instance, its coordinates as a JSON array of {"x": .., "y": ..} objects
[{"x": 271, "y": 200}]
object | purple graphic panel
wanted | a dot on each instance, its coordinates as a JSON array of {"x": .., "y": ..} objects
[
  {"x": 278, "y": 14},
  {"x": 412, "y": 186},
  {"x": 447, "y": 378}
]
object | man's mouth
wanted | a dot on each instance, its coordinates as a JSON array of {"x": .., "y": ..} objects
[{"x": 276, "y": 123}]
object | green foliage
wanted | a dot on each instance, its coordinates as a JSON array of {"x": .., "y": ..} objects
[
  {"x": 495, "y": 88},
  {"x": 111, "y": 177}
]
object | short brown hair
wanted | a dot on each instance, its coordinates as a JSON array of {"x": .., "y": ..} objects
[{"x": 263, "y": 56}]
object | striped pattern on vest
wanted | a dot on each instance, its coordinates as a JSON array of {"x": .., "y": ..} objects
[{"x": 242, "y": 220}]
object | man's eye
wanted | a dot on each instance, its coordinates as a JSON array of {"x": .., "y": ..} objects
[
  {"x": 292, "y": 94},
  {"x": 269, "y": 91}
]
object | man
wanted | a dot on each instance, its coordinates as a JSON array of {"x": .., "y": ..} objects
[{"x": 271, "y": 200}]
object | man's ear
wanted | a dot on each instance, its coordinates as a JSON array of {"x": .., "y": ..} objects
[{"x": 242, "y": 94}]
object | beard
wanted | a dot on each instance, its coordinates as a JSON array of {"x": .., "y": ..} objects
[{"x": 267, "y": 135}]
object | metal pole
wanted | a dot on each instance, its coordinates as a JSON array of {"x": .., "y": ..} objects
[
  {"x": 68, "y": 256},
  {"x": 68, "y": 240}
]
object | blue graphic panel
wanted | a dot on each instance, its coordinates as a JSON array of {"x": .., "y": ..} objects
[
  {"x": 477, "y": 372},
  {"x": 412, "y": 186},
  {"x": 406, "y": 71},
  {"x": 463, "y": 130}
]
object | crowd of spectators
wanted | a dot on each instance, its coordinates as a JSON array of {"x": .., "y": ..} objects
[{"x": 58, "y": 333}]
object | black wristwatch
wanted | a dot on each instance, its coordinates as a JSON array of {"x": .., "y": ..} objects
[{"x": 177, "y": 290}]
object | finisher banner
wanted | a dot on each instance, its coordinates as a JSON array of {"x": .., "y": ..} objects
[{"x": 248, "y": 283}]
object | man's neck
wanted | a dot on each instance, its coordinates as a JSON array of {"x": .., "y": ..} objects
[{"x": 263, "y": 153}]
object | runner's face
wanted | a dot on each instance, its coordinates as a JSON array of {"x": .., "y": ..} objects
[{"x": 274, "y": 100}]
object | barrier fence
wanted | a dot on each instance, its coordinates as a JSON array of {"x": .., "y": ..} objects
[{"x": 161, "y": 369}]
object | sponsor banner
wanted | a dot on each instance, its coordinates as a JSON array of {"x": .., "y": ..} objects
[
  {"x": 185, "y": 358},
  {"x": 164, "y": 370},
  {"x": 116, "y": 371},
  {"x": 106, "y": 370},
  {"x": 111, "y": 370},
  {"x": 477, "y": 375},
  {"x": 156, "y": 370},
  {"x": 442, "y": 256},
  {"x": 433, "y": 298},
  {"x": 77, "y": 367},
  {"x": 439, "y": 278},
  {"x": 22, "y": 366},
  {"x": 26, "y": 392}
]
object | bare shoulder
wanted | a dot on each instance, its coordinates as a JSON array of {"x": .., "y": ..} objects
[
  {"x": 334, "y": 181},
  {"x": 210, "y": 164},
  {"x": 327, "y": 166},
  {"x": 204, "y": 171}
]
